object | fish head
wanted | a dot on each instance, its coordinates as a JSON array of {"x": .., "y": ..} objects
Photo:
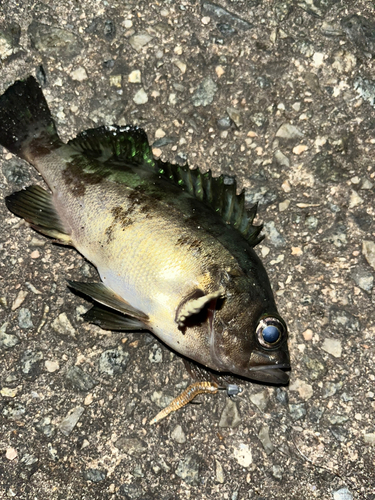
[{"x": 248, "y": 337}]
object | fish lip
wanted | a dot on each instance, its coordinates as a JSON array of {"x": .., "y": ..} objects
[
  {"x": 271, "y": 374},
  {"x": 268, "y": 369},
  {"x": 281, "y": 367}
]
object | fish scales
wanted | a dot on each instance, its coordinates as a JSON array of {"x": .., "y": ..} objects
[{"x": 173, "y": 247}]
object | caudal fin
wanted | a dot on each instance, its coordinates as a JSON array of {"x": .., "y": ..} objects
[{"x": 26, "y": 125}]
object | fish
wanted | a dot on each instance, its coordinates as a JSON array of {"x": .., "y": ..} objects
[{"x": 173, "y": 246}]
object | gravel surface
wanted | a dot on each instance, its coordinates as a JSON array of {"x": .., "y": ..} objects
[{"x": 280, "y": 94}]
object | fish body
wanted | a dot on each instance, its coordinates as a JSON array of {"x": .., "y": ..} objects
[{"x": 173, "y": 247}]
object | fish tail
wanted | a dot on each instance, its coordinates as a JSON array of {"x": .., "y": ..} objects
[{"x": 26, "y": 125}]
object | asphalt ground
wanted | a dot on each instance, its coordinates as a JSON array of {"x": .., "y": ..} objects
[{"x": 279, "y": 94}]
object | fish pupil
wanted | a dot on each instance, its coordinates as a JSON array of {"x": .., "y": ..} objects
[{"x": 271, "y": 334}]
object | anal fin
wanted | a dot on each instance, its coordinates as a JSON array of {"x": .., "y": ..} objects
[
  {"x": 109, "y": 319},
  {"x": 35, "y": 205},
  {"x": 107, "y": 297}
]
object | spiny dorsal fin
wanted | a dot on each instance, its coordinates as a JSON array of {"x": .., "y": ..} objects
[
  {"x": 220, "y": 193},
  {"x": 130, "y": 145},
  {"x": 105, "y": 143}
]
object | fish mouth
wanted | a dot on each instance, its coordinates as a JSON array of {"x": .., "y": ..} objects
[
  {"x": 271, "y": 374},
  {"x": 268, "y": 368}
]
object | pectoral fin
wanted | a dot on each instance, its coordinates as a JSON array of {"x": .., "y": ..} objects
[
  {"x": 35, "y": 205},
  {"x": 196, "y": 305},
  {"x": 108, "y": 319},
  {"x": 104, "y": 295}
]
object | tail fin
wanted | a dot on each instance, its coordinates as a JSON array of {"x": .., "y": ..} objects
[{"x": 26, "y": 125}]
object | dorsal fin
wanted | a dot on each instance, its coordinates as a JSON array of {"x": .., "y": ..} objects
[
  {"x": 130, "y": 145},
  {"x": 105, "y": 143},
  {"x": 220, "y": 193}
]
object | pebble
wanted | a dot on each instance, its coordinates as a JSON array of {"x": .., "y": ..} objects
[
  {"x": 113, "y": 362},
  {"x": 333, "y": 347},
  {"x": 360, "y": 31},
  {"x": 204, "y": 95},
  {"x": 355, "y": 200},
  {"x": 24, "y": 318},
  {"x": 260, "y": 399},
  {"x": 54, "y": 41},
  {"x": 281, "y": 159},
  {"x": 7, "y": 341},
  {"x": 289, "y": 132},
  {"x": 307, "y": 334},
  {"x": 315, "y": 414},
  {"x": 277, "y": 472},
  {"x": 340, "y": 433},
  {"x": 330, "y": 388},
  {"x": 132, "y": 445},
  {"x": 366, "y": 184},
  {"x": 79, "y": 74},
  {"x": 344, "y": 319},
  {"x": 21, "y": 296},
  {"x": 161, "y": 399},
  {"x": 11, "y": 454},
  {"x": 242, "y": 454},
  {"x": 365, "y": 89},
  {"x": 363, "y": 278},
  {"x": 342, "y": 494},
  {"x": 130, "y": 491},
  {"x": 301, "y": 148},
  {"x": 188, "y": 469},
  {"x": 9, "y": 392},
  {"x": 369, "y": 438},
  {"x": 220, "y": 478},
  {"x": 230, "y": 416},
  {"x": 30, "y": 363},
  {"x": 236, "y": 116},
  {"x": 156, "y": 354},
  {"x": 219, "y": 70},
  {"x": 178, "y": 435},
  {"x": 316, "y": 369},
  {"x": 12, "y": 170},
  {"x": 94, "y": 475},
  {"x": 326, "y": 168},
  {"x": 63, "y": 326},
  {"x": 45, "y": 426},
  {"x": 368, "y": 250},
  {"x": 115, "y": 81},
  {"x": 9, "y": 39},
  {"x": 304, "y": 390},
  {"x": 52, "y": 366},
  {"x": 337, "y": 419},
  {"x": 273, "y": 235},
  {"x": 220, "y": 14},
  {"x": 282, "y": 396},
  {"x": 139, "y": 40},
  {"x": 180, "y": 65},
  {"x": 224, "y": 123},
  {"x": 264, "y": 438},
  {"x": 297, "y": 411},
  {"x": 13, "y": 411},
  {"x": 77, "y": 379},
  {"x": 140, "y": 97},
  {"x": 135, "y": 76},
  {"x": 70, "y": 421},
  {"x": 28, "y": 459},
  {"x": 260, "y": 194}
]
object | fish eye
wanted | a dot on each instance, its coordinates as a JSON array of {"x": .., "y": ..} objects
[{"x": 270, "y": 332}]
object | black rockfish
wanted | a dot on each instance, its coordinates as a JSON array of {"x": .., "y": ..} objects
[{"x": 173, "y": 246}]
